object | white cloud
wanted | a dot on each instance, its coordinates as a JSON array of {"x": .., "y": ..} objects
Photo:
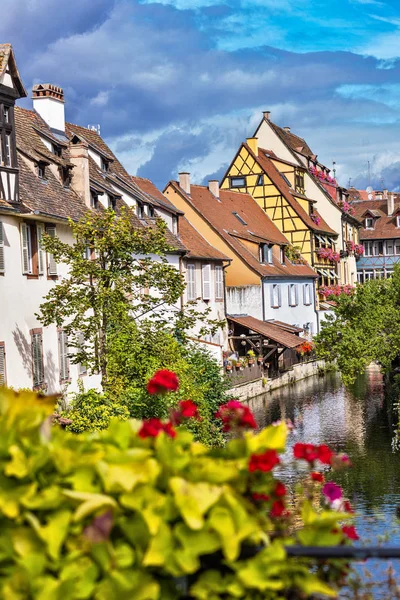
[{"x": 101, "y": 99}]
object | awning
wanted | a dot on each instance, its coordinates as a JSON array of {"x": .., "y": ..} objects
[
  {"x": 321, "y": 239},
  {"x": 272, "y": 331},
  {"x": 333, "y": 274},
  {"x": 323, "y": 272}
]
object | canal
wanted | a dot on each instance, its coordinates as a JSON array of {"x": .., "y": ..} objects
[{"x": 357, "y": 421}]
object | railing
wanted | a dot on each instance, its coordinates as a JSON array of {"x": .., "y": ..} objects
[{"x": 246, "y": 374}]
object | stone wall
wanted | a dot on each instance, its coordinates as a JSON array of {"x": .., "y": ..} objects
[{"x": 262, "y": 386}]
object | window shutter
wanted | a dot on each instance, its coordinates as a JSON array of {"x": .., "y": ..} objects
[
  {"x": 25, "y": 248},
  {"x": 206, "y": 275},
  {"x": 51, "y": 264},
  {"x": 191, "y": 282},
  {"x": 219, "y": 283},
  {"x": 2, "y": 366},
  {"x": 63, "y": 355},
  {"x": 279, "y": 296},
  {"x": 296, "y": 294},
  {"x": 37, "y": 359},
  {"x": 40, "y": 231},
  {"x": 2, "y": 263}
]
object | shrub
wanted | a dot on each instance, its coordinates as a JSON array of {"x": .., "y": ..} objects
[
  {"x": 128, "y": 512},
  {"x": 91, "y": 411}
]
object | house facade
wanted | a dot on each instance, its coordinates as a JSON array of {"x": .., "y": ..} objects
[
  {"x": 379, "y": 212},
  {"x": 261, "y": 281},
  {"x": 50, "y": 171}
]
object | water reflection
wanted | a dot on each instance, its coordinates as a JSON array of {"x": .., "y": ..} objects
[{"x": 357, "y": 421}]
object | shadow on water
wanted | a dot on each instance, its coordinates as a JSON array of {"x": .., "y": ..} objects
[{"x": 357, "y": 421}]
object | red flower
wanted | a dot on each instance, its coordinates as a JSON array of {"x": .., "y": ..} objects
[
  {"x": 278, "y": 509},
  {"x": 307, "y": 452},
  {"x": 325, "y": 454},
  {"x": 187, "y": 410},
  {"x": 280, "y": 489},
  {"x": 152, "y": 427},
  {"x": 347, "y": 507},
  {"x": 260, "y": 497},
  {"x": 234, "y": 415},
  {"x": 264, "y": 462},
  {"x": 317, "y": 477},
  {"x": 163, "y": 381},
  {"x": 350, "y": 532}
]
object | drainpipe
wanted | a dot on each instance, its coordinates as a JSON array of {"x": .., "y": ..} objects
[
  {"x": 224, "y": 272},
  {"x": 263, "y": 298}
]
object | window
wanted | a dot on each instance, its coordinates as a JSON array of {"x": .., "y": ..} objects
[
  {"x": 368, "y": 246},
  {"x": 369, "y": 223},
  {"x": 293, "y": 301},
  {"x": 206, "y": 280},
  {"x": 307, "y": 295},
  {"x": 191, "y": 282},
  {"x": 286, "y": 179},
  {"x": 238, "y": 182},
  {"x": 112, "y": 202},
  {"x": 104, "y": 165},
  {"x": 2, "y": 262},
  {"x": 219, "y": 283},
  {"x": 174, "y": 225},
  {"x": 239, "y": 218},
  {"x": 299, "y": 181},
  {"x": 282, "y": 254},
  {"x": 7, "y": 152},
  {"x": 63, "y": 356},
  {"x": 33, "y": 255},
  {"x": 66, "y": 176},
  {"x": 3, "y": 377},
  {"x": 56, "y": 149},
  {"x": 389, "y": 248},
  {"x": 276, "y": 295},
  {"x": 397, "y": 247},
  {"x": 398, "y": 221},
  {"x": 140, "y": 211},
  {"x": 41, "y": 171},
  {"x": 94, "y": 199},
  {"x": 150, "y": 211},
  {"x": 266, "y": 253},
  {"x": 37, "y": 357},
  {"x": 260, "y": 180},
  {"x": 51, "y": 263}
]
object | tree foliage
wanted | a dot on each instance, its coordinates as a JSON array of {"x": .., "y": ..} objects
[{"x": 365, "y": 327}]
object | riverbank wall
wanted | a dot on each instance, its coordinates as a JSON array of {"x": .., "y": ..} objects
[{"x": 250, "y": 389}]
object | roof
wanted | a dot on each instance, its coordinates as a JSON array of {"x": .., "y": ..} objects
[
  {"x": 156, "y": 196},
  {"x": 295, "y": 143},
  {"x": 289, "y": 193},
  {"x": 272, "y": 331},
  {"x": 237, "y": 218},
  {"x": 197, "y": 246},
  {"x": 385, "y": 227},
  {"x": 7, "y": 58}
]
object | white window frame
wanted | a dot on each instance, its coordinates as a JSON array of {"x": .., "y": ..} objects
[
  {"x": 26, "y": 249},
  {"x": 293, "y": 294},
  {"x": 307, "y": 295},
  {"x": 206, "y": 281},
  {"x": 276, "y": 300},
  {"x": 51, "y": 263},
  {"x": 367, "y": 220},
  {"x": 63, "y": 356},
  {"x": 398, "y": 221},
  {"x": 2, "y": 260},
  {"x": 219, "y": 282},
  {"x": 37, "y": 359},
  {"x": 191, "y": 282},
  {"x": 389, "y": 243}
]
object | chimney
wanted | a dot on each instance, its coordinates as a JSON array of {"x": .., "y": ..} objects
[
  {"x": 213, "y": 186},
  {"x": 48, "y": 102},
  {"x": 385, "y": 194},
  {"x": 79, "y": 157},
  {"x": 184, "y": 182},
  {"x": 253, "y": 143},
  {"x": 267, "y": 114},
  {"x": 287, "y": 129},
  {"x": 390, "y": 204}
]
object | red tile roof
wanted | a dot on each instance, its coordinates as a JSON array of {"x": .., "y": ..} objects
[
  {"x": 251, "y": 223},
  {"x": 197, "y": 246},
  {"x": 295, "y": 143},
  {"x": 272, "y": 331},
  {"x": 384, "y": 226},
  {"x": 157, "y": 197}
]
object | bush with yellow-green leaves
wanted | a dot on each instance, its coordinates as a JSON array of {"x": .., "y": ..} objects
[{"x": 140, "y": 511}]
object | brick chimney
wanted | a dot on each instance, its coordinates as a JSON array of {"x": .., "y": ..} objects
[
  {"x": 213, "y": 186},
  {"x": 79, "y": 157},
  {"x": 267, "y": 114},
  {"x": 48, "y": 102},
  {"x": 385, "y": 194},
  {"x": 390, "y": 203},
  {"x": 184, "y": 182},
  {"x": 253, "y": 143}
]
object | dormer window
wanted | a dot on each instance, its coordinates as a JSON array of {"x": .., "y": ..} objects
[
  {"x": 299, "y": 182},
  {"x": 65, "y": 176},
  {"x": 140, "y": 211},
  {"x": 112, "y": 202},
  {"x": 369, "y": 223},
  {"x": 94, "y": 199},
  {"x": 41, "y": 171},
  {"x": 6, "y": 114},
  {"x": 282, "y": 254},
  {"x": 150, "y": 211},
  {"x": 56, "y": 150},
  {"x": 237, "y": 182},
  {"x": 398, "y": 221},
  {"x": 104, "y": 165},
  {"x": 266, "y": 253}
]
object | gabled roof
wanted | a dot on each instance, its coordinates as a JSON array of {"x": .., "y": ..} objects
[
  {"x": 373, "y": 212},
  {"x": 7, "y": 58},
  {"x": 197, "y": 246},
  {"x": 295, "y": 143},
  {"x": 157, "y": 198},
  {"x": 385, "y": 226},
  {"x": 237, "y": 218},
  {"x": 276, "y": 332},
  {"x": 288, "y": 193}
]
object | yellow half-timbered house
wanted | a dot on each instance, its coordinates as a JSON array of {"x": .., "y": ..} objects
[{"x": 277, "y": 185}]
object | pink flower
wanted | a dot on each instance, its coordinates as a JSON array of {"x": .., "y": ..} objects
[{"x": 332, "y": 491}]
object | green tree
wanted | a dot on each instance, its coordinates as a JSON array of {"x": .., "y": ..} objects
[
  {"x": 126, "y": 278},
  {"x": 365, "y": 327}
]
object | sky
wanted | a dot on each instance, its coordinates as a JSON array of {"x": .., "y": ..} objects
[{"x": 177, "y": 85}]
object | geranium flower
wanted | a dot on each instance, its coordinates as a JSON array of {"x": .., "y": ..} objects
[
  {"x": 318, "y": 477},
  {"x": 350, "y": 532},
  {"x": 260, "y": 497},
  {"x": 234, "y": 414},
  {"x": 332, "y": 491},
  {"x": 325, "y": 454},
  {"x": 163, "y": 381},
  {"x": 152, "y": 427},
  {"x": 278, "y": 509},
  {"x": 186, "y": 410},
  {"x": 280, "y": 489},
  {"x": 307, "y": 452},
  {"x": 264, "y": 462}
]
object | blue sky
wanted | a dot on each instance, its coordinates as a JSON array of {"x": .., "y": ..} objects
[{"x": 178, "y": 84}]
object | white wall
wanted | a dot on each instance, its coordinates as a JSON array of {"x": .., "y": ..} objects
[
  {"x": 293, "y": 315},
  {"x": 245, "y": 300},
  {"x": 20, "y": 299}
]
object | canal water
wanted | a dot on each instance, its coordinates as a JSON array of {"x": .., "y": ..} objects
[{"x": 358, "y": 421}]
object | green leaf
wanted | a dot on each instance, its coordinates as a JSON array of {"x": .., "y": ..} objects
[
  {"x": 19, "y": 465},
  {"x": 54, "y": 533},
  {"x": 124, "y": 477},
  {"x": 160, "y": 548},
  {"x": 91, "y": 503},
  {"x": 194, "y": 499},
  {"x": 271, "y": 438}
]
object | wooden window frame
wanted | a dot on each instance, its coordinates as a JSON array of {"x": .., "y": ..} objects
[
  {"x": 3, "y": 348},
  {"x": 232, "y": 177},
  {"x": 42, "y": 385},
  {"x": 7, "y": 129}
]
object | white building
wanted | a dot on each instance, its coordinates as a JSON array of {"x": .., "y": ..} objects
[{"x": 50, "y": 171}]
